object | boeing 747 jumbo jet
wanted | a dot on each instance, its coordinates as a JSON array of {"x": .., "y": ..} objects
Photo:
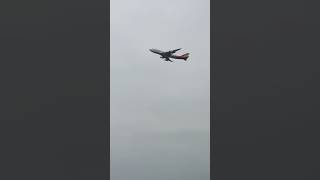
[{"x": 170, "y": 54}]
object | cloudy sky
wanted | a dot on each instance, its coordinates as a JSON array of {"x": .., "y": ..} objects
[{"x": 159, "y": 110}]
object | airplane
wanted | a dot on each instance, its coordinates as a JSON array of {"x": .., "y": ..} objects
[{"x": 170, "y": 54}]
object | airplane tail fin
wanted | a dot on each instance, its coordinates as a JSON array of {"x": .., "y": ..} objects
[{"x": 185, "y": 56}]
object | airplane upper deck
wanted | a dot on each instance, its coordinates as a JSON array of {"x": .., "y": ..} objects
[{"x": 156, "y": 51}]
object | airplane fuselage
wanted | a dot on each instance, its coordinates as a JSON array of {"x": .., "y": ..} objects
[{"x": 163, "y": 54}]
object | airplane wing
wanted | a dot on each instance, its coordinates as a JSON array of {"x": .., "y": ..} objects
[
  {"x": 168, "y": 59},
  {"x": 174, "y": 51}
]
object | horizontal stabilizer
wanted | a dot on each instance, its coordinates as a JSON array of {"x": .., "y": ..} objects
[{"x": 185, "y": 56}]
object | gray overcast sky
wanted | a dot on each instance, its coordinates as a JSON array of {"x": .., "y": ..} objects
[{"x": 160, "y": 110}]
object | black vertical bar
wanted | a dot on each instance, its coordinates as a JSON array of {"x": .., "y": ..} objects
[
  {"x": 266, "y": 90},
  {"x": 54, "y": 66}
]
